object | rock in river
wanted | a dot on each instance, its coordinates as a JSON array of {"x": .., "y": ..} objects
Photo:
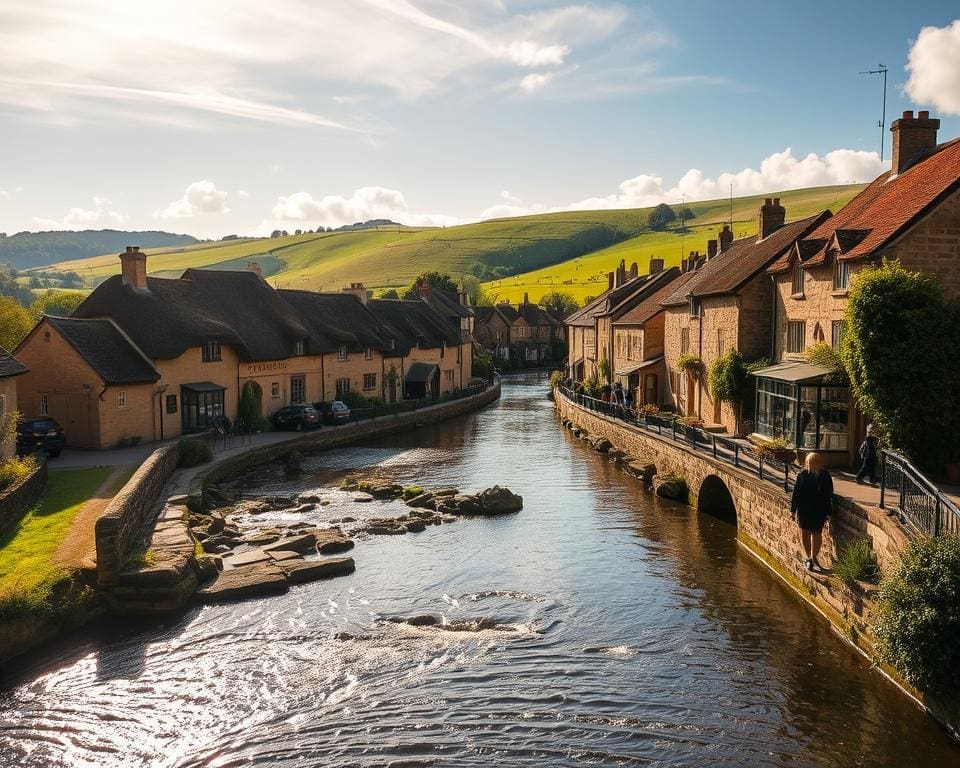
[
  {"x": 497, "y": 500},
  {"x": 246, "y": 581}
]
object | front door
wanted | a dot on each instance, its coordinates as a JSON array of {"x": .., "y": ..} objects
[
  {"x": 650, "y": 389},
  {"x": 298, "y": 390}
]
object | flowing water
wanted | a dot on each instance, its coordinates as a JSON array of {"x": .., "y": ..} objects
[{"x": 629, "y": 632}]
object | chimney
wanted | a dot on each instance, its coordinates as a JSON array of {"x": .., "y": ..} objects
[
  {"x": 634, "y": 271},
  {"x": 360, "y": 292},
  {"x": 254, "y": 267},
  {"x": 656, "y": 265},
  {"x": 609, "y": 281},
  {"x": 711, "y": 249},
  {"x": 526, "y": 298},
  {"x": 726, "y": 237},
  {"x": 772, "y": 217},
  {"x": 683, "y": 266},
  {"x": 912, "y": 135},
  {"x": 462, "y": 294},
  {"x": 133, "y": 268}
]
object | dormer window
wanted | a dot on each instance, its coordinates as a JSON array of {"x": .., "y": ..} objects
[
  {"x": 841, "y": 275},
  {"x": 299, "y": 348},
  {"x": 368, "y": 353},
  {"x": 694, "y": 306},
  {"x": 342, "y": 352},
  {"x": 211, "y": 352},
  {"x": 797, "y": 288}
]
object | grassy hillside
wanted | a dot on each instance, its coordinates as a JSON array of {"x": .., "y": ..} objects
[
  {"x": 569, "y": 251},
  {"x": 31, "y": 249}
]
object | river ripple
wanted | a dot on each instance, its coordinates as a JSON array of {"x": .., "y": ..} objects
[{"x": 637, "y": 633}]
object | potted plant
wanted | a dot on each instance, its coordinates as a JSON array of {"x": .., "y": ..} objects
[{"x": 774, "y": 449}]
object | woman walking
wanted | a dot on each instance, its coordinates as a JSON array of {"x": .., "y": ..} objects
[{"x": 810, "y": 506}]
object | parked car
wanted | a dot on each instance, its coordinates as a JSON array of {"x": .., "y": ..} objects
[
  {"x": 333, "y": 411},
  {"x": 40, "y": 434},
  {"x": 298, "y": 417}
]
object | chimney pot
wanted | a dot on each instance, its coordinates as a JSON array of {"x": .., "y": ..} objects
[
  {"x": 726, "y": 238},
  {"x": 908, "y": 114},
  {"x": 923, "y": 114},
  {"x": 772, "y": 217},
  {"x": 133, "y": 267},
  {"x": 360, "y": 292}
]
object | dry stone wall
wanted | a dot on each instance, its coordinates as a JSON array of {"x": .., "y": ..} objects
[{"x": 14, "y": 502}]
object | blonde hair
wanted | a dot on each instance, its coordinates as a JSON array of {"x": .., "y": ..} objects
[{"x": 813, "y": 462}]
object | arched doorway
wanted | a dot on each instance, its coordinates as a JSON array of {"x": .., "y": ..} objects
[{"x": 715, "y": 500}]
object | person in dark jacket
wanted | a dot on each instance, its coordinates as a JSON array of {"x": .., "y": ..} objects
[
  {"x": 810, "y": 506},
  {"x": 868, "y": 457}
]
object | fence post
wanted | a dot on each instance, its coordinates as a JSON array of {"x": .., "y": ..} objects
[
  {"x": 883, "y": 477},
  {"x": 714, "y": 438},
  {"x": 761, "y": 467},
  {"x": 936, "y": 520},
  {"x": 786, "y": 475}
]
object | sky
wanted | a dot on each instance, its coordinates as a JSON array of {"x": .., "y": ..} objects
[{"x": 240, "y": 117}]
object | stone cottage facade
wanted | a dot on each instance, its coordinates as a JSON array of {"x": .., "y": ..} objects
[{"x": 10, "y": 370}]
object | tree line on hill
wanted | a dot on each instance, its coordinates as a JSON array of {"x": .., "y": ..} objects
[
  {"x": 371, "y": 224},
  {"x": 35, "y": 249}
]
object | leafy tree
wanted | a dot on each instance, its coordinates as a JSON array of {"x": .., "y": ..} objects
[
  {"x": 15, "y": 322},
  {"x": 660, "y": 216},
  {"x": 390, "y": 294},
  {"x": 729, "y": 379},
  {"x": 432, "y": 278},
  {"x": 686, "y": 214},
  {"x": 478, "y": 295},
  {"x": 826, "y": 356},
  {"x": 901, "y": 350},
  {"x": 559, "y": 305},
  {"x": 56, "y": 303}
]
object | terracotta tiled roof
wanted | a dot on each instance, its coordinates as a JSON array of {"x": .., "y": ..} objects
[
  {"x": 623, "y": 298},
  {"x": 885, "y": 209},
  {"x": 745, "y": 258},
  {"x": 650, "y": 306},
  {"x": 9, "y": 365}
]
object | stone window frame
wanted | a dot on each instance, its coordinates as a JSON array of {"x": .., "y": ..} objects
[
  {"x": 796, "y": 336},
  {"x": 122, "y": 400},
  {"x": 369, "y": 381}
]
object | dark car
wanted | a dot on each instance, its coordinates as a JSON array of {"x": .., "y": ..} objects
[
  {"x": 298, "y": 417},
  {"x": 40, "y": 434},
  {"x": 333, "y": 411}
]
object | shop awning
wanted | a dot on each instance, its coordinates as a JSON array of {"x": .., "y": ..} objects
[
  {"x": 203, "y": 386},
  {"x": 420, "y": 373},
  {"x": 795, "y": 373},
  {"x": 639, "y": 366}
]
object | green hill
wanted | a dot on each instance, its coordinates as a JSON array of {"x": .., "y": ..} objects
[
  {"x": 32, "y": 249},
  {"x": 569, "y": 251}
]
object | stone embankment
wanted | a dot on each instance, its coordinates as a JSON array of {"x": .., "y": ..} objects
[{"x": 16, "y": 500}]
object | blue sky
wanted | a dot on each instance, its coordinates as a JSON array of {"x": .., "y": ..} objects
[{"x": 238, "y": 116}]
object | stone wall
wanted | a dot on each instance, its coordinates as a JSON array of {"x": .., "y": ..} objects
[
  {"x": 764, "y": 525},
  {"x": 15, "y": 501},
  {"x": 120, "y": 529}
]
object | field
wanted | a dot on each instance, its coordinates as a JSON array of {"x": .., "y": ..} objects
[{"x": 568, "y": 251}]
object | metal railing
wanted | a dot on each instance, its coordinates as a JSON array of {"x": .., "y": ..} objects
[
  {"x": 916, "y": 500},
  {"x": 733, "y": 452},
  {"x": 407, "y": 406}
]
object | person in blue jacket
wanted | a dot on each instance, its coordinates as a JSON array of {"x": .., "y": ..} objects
[{"x": 810, "y": 506}]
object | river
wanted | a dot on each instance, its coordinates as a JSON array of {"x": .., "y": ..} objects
[{"x": 634, "y": 632}]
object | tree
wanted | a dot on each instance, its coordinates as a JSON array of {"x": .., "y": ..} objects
[
  {"x": 434, "y": 279},
  {"x": 559, "y": 305},
  {"x": 729, "y": 378},
  {"x": 56, "y": 303},
  {"x": 901, "y": 349},
  {"x": 15, "y": 322},
  {"x": 478, "y": 295},
  {"x": 660, "y": 216},
  {"x": 390, "y": 293}
]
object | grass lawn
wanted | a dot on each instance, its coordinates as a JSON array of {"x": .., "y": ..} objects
[{"x": 27, "y": 572}]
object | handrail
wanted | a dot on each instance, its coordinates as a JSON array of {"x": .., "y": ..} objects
[
  {"x": 722, "y": 449},
  {"x": 919, "y": 501}
]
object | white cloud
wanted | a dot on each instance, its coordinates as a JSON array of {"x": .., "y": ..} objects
[
  {"x": 101, "y": 216},
  {"x": 535, "y": 81},
  {"x": 779, "y": 171},
  {"x": 201, "y": 197},
  {"x": 243, "y": 194},
  {"x": 336, "y": 210},
  {"x": 934, "y": 67},
  {"x": 509, "y": 197},
  {"x": 526, "y": 53}
]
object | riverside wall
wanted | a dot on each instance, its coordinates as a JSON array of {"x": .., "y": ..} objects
[{"x": 15, "y": 501}]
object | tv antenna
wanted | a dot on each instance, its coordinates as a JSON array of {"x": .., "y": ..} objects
[{"x": 883, "y": 119}]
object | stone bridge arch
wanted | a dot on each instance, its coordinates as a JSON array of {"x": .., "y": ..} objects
[{"x": 715, "y": 499}]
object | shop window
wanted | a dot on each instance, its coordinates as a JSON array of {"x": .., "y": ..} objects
[
  {"x": 796, "y": 336},
  {"x": 369, "y": 381},
  {"x": 211, "y": 352},
  {"x": 121, "y": 399}
]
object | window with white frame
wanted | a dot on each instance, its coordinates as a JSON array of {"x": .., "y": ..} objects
[
  {"x": 841, "y": 275},
  {"x": 796, "y": 336},
  {"x": 299, "y": 348},
  {"x": 694, "y": 306},
  {"x": 275, "y": 390},
  {"x": 368, "y": 353},
  {"x": 121, "y": 399},
  {"x": 343, "y": 386},
  {"x": 342, "y": 352}
]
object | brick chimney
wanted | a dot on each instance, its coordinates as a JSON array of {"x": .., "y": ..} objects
[
  {"x": 360, "y": 292},
  {"x": 711, "y": 249},
  {"x": 526, "y": 298},
  {"x": 772, "y": 217},
  {"x": 726, "y": 238},
  {"x": 610, "y": 277},
  {"x": 656, "y": 265},
  {"x": 912, "y": 135},
  {"x": 634, "y": 271},
  {"x": 133, "y": 267},
  {"x": 253, "y": 266}
]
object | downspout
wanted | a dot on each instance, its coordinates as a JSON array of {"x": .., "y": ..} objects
[
  {"x": 323, "y": 380},
  {"x": 703, "y": 316},
  {"x": 773, "y": 321}
]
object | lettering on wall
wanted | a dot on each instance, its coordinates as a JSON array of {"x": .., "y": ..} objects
[{"x": 255, "y": 368}]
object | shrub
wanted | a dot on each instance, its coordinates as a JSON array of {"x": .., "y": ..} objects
[
  {"x": 249, "y": 410},
  {"x": 774, "y": 449},
  {"x": 192, "y": 451},
  {"x": 556, "y": 379},
  {"x": 15, "y": 470},
  {"x": 917, "y": 630},
  {"x": 857, "y": 562},
  {"x": 687, "y": 363}
]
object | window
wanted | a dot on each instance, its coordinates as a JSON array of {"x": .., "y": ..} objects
[
  {"x": 275, "y": 390},
  {"x": 211, "y": 352},
  {"x": 342, "y": 352},
  {"x": 448, "y": 378},
  {"x": 299, "y": 348},
  {"x": 44, "y": 405},
  {"x": 684, "y": 341},
  {"x": 719, "y": 342},
  {"x": 298, "y": 389},
  {"x": 200, "y": 408},
  {"x": 343, "y": 386},
  {"x": 368, "y": 353},
  {"x": 459, "y": 353},
  {"x": 694, "y": 306},
  {"x": 796, "y": 336},
  {"x": 369, "y": 381},
  {"x": 797, "y": 280},
  {"x": 836, "y": 328},
  {"x": 841, "y": 275},
  {"x": 121, "y": 399},
  {"x": 171, "y": 403},
  {"x": 812, "y": 417}
]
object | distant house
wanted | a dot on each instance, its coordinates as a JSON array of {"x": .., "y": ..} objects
[
  {"x": 535, "y": 332},
  {"x": 726, "y": 304},
  {"x": 492, "y": 329},
  {"x": 911, "y": 213},
  {"x": 10, "y": 370}
]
